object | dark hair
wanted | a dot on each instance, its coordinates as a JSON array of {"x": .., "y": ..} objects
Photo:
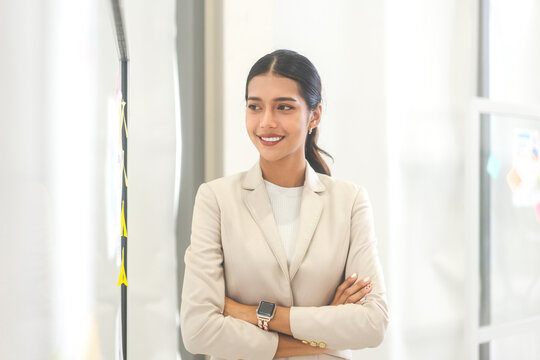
[{"x": 290, "y": 64}]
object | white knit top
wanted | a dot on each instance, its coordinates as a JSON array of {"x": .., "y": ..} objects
[{"x": 286, "y": 206}]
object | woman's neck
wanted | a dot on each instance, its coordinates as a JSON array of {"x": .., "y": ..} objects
[{"x": 286, "y": 172}]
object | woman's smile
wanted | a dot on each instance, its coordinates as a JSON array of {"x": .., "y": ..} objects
[{"x": 270, "y": 140}]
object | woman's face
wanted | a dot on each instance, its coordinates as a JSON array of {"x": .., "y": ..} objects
[{"x": 277, "y": 117}]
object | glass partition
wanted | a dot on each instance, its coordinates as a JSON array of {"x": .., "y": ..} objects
[
  {"x": 513, "y": 169},
  {"x": 504, "y": 165}
]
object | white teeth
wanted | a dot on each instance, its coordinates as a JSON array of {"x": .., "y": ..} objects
[{"x": 272, "y": 138}]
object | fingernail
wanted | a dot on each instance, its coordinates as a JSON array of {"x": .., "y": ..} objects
[
  {"x": 354, "y": 275},
  {"x": 365, "y": 279}
]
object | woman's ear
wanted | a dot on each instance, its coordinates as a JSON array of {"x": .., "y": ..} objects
[{"x": 315, "y": 117}]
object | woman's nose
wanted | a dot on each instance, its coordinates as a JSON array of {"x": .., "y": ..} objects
[{"x": 267, "y": 119}]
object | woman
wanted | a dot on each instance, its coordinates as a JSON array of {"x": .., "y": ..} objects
[{"x": 283, "y": 259}]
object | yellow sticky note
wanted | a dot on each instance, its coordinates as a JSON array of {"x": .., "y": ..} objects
[
  {"x": 124, "y": 227},
  {"x": 513, "y": 179},
  {"x": 122, "y": 279},
  {"x": 121, "y": 115},
  {"x": 124, "y": 117},
  {"x": 124, "y": 169},
  {"x": 125, "y": 177}
]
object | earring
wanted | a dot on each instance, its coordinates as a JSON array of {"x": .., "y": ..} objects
[{"x": 310, "y": 129}]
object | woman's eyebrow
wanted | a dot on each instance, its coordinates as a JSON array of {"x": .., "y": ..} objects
[
  {"x": 254, "y": 98},
  {"x": 285, "y": 99}
]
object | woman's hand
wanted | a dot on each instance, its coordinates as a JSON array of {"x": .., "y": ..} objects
[{"x": 350, "y": 292}]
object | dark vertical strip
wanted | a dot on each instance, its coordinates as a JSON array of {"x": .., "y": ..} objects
[
  {"x": 485, "y": 212},
  {"x": 485, "y": 181},
  {"x": 123, "y": 291},
  {"x": 120, "y": 32},
  {"x": 191, "y": 58},
  {"x": 122, "y": 48}
]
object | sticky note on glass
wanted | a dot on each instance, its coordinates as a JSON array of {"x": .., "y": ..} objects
[
  {"x": 493, "y": 166},
  {"x": 123, "y": 230},
  {"x": 513, "y": 179},
  {"x": 122, "y": 279}
]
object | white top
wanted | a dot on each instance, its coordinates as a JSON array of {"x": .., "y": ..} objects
[{"x": 286, "y": 203}]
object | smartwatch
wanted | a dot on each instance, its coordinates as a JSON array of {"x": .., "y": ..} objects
[{"x": 265, "y": 313}]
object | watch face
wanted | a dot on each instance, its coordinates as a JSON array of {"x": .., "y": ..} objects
[{"x": 266, "y": 309}]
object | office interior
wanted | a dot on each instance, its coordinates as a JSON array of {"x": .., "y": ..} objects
[{"x": 432, "y": 106}]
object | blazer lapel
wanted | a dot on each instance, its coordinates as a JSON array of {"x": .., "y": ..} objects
[
  {"x": 256, "y": 198},
  {"x": 310, "y": 212}
]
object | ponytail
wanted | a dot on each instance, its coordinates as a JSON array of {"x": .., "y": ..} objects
[{"x": 313, "y": 154}]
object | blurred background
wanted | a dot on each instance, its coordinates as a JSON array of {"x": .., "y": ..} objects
[{"x": 433, "y": 106}]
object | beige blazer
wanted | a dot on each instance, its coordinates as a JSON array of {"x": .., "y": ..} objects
[{"x": 236, "y": 251}]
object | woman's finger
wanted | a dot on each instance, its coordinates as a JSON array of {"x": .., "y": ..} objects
[
  {"x": 346, "y": 284},
  {"x": 342, "y": 287},
  {"x": 354, "y": 298},
  {"x": 353, "y": 289}
]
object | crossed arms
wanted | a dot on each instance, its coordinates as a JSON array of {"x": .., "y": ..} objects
[{"x": 349, "y": 292}]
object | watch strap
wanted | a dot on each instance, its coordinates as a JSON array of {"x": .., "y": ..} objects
[{"x": 263, "y": 323}]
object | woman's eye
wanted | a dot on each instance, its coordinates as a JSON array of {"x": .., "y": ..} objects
[
  {"x": 253, "y": 107},
  {"x": 285, "y": 107}
]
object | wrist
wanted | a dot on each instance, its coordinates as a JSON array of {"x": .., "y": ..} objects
[
  {"x": 265, "y": 313},
  {"x": 250, "y": 315}
]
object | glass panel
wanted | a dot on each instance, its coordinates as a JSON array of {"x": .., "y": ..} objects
[
  {"x": 514, "y": 54},
  {"x": 521, "y": 346},
  {"x": 514, "y": 225}
]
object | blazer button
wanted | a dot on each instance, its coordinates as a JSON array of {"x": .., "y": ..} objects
[{"x": 322, "y": 345}]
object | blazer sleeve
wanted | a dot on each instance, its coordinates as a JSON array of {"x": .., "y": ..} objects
[
  {"x": 205, "y": 330},
  {"x": 351, "y": 326}
]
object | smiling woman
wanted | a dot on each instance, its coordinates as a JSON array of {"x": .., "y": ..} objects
[
  {"x": 273, "y": 119},
  {"x": 283, "y": 259},
  {"x": 285, "y": 86}
]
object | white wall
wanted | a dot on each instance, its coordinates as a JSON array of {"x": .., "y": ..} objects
[
  {"x": 431, "y": 80},
  {"x": 514, "y": 51},
  {"x": 24, "y": 237},
  {"x": 152, "y": 300}
]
